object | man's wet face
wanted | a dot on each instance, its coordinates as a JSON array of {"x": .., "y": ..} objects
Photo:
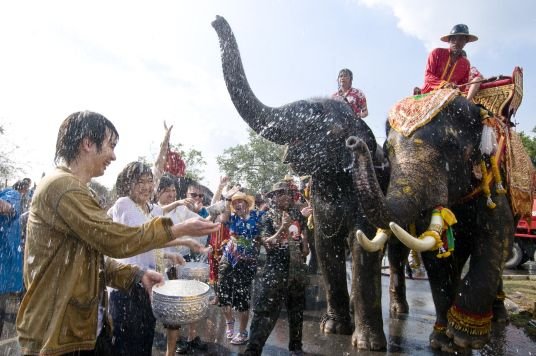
[{"x": 457, "y": 42}]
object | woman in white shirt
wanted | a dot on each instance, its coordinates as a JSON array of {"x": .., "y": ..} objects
[{"x": 133, "y": 319}]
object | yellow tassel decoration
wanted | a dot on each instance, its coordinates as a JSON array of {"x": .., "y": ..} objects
[
  {"x": 485, "y": 185},
  {"x": 497, "y": 175}
]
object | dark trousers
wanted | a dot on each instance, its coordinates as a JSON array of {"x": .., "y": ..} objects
[
  {"x": 133, "y": 322},
  {"x": 275, "y": 289},
  {"x": 103, "y": 346}
]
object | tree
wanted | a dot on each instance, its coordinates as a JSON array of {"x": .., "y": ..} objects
[
  {"x": 195, "y": 163},
  {"x": 256, "y": 164},
  {"x": 8, "y": 168},
  {"x": 530, "y": 144}
]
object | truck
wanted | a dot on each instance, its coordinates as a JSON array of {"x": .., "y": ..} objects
[{"x": 524, "y": 246}]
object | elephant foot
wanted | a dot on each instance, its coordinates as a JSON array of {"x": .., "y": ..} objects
[
  {"x": 398, "y": 307},
  {"x": 500, "y": 314},
  {"x": 368, "y": 340},
  {"x": 440, "y": 341},
  {"x": 335, "y": 325},
  {"x": 465, "y": 340}
]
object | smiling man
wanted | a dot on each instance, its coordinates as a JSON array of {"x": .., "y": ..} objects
[
  {"x": 68, "y": 236},
  {"x": 448, "y": 67}
]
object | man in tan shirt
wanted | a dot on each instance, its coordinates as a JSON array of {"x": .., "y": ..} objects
[{"x": 68, "y": 236}]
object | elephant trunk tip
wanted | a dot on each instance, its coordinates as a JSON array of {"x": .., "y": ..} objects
[{"x": 356, "y": 144}]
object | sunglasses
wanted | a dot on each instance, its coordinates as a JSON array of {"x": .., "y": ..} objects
[{"x": 196, "y": 195}]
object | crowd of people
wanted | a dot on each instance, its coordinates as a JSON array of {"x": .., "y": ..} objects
[{"x": 79, "y": 267}]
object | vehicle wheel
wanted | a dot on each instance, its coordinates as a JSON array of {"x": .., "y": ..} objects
[{"x": 516, "y": 257}]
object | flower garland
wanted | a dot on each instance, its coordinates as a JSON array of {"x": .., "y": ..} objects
[{"x": 440, "y": 229}]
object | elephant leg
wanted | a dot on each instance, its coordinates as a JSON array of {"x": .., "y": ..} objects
[
  {"x": 366, "y": 292},
  {"x": 469, "y": 318},
  {"x": 441, "y": 275},
  {"x": 331, "y": 260},
  {"x": 398, "y": 257},
  {"x": 500, "y": 314}
]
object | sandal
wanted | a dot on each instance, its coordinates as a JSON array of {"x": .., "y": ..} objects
[
  {"x": 230, "y": 329},
  {"x": 240, "y": 339}
]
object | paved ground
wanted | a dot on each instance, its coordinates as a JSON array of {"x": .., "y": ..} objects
[{"x": 405, "y": 337}]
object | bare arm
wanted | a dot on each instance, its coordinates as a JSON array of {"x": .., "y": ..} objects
[
  {"x": 217, "y": 195},
  {"x": 162, "y": 155}
]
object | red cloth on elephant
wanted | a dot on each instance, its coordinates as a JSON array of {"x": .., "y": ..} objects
[
  {"x": 217, "y": 240},
  {"x": 441, "y": 70}
]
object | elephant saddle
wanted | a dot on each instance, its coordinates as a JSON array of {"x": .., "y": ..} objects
[{"x": 413, "y": 112}]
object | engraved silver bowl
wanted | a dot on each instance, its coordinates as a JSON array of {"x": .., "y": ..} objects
[
  {"x": 194, "y": 270},
  {"x": 180, "y": 301}
]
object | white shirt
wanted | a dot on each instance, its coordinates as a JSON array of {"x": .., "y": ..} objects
[
  {"x": 178, "y": 215},
  {"x": 127, "y": 212}
]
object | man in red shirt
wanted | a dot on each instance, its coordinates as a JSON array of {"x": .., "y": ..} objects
[
  {"x": 354, "y": 97},
  {"x": 447, "y": 67}
]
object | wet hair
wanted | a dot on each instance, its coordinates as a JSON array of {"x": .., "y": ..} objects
[
  {"x": 347, "y": 72},
  {"x": 78, "y": 126},
  {"x": 20, "y": 185},
  {"x": 166, "y": 181},
  {"x": 130, "y": 174}
]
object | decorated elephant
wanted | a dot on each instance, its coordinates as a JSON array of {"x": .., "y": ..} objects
[
  {"x": 315, "y": 132},
  {"x": 435, "y": 165}
]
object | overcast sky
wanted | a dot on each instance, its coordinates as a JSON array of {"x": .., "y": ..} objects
[{"x": 140, "y": 63}]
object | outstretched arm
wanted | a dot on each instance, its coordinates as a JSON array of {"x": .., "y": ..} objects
[{"x": 160, "y": 163}]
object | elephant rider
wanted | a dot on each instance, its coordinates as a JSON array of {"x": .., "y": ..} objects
[
  {"x": 448, "y": 67},
  {"x": 353, "y": 96}
]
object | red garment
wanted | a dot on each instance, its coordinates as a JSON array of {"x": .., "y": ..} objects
[
  {"x": 216, "y": 241},
  {"x": 353, "y": 97},
  {"x": 440, "y": 70}
]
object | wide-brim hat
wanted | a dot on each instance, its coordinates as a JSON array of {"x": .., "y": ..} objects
[
  {"x": 280, "y": 186},
  {"x": 460, "y": 29},
  {"x": 243, "y": 196}
]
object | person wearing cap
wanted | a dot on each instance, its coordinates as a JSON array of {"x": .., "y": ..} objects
[
  {"x": 448, "y": 67},
  {"x": 284, "y": 235},
  {"x": 352, "y": 96},
  {"x": 238, "y": 263}
]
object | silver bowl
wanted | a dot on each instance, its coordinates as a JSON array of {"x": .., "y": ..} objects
[
  {"x": 180, "y": 301},
  {"x": 194, "y": 270}
]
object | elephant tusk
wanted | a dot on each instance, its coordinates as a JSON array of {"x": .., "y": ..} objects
[
  {"x": 426, "y": 243},
  {"x": 376, "y": 243}
]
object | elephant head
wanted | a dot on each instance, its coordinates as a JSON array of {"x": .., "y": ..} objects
[
  {"x": 314, "y": 130},
  {"x": 432, "y": 167}
]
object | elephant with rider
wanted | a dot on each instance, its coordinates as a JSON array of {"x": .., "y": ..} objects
[
  {"x": 435, "y": 168},
  {"x": 315, "y": 131}
]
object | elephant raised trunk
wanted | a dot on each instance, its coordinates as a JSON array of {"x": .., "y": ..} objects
[{"x": 279, "y": 125}]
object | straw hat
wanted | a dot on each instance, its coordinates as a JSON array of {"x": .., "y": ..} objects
[
  {"x": 243, "y": 196},
  {"x": 460, "y": 29}
]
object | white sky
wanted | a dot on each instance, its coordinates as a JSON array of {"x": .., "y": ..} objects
[{"x": 140, "y": 63}]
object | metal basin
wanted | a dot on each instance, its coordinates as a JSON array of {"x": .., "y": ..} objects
[
  {"x": 180, "y": 301},
  {"x": 194, "y": 270}
]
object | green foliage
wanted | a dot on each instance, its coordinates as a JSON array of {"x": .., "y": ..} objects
[
  {"x": 530, "y": 144},
  {"x": 195, "y": 163},
  {"x": 256, "y": 164},
  {"x": 8, "y": 168},
  {"x": 106, "y": 197}
]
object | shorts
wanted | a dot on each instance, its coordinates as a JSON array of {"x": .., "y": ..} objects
[{"x": 234, "y": 284}]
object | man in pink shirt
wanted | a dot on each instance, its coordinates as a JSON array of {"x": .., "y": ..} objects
[{"x": 354, "y": 97}]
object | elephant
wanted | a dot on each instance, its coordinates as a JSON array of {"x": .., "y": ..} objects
[
  {"x": 315, "y": 132},
  {"x": 433, "y": 167}
]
